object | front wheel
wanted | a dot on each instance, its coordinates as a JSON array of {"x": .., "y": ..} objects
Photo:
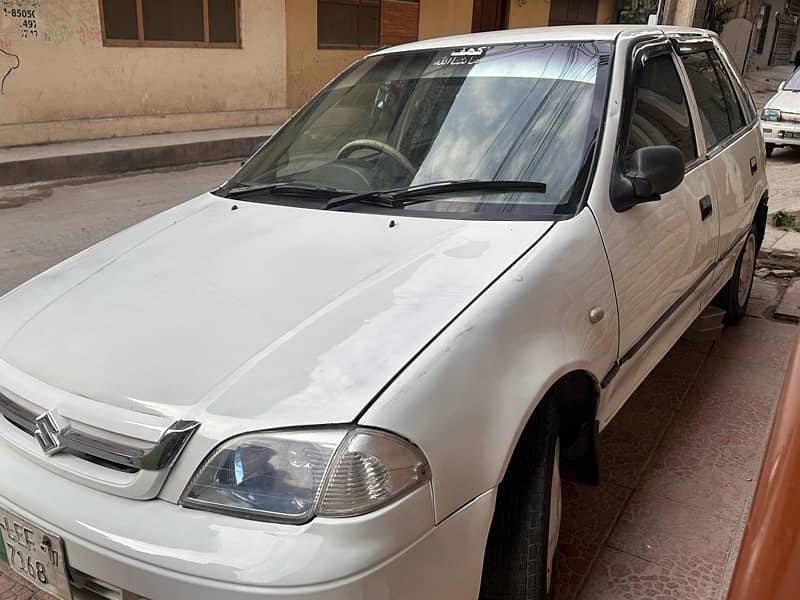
[
  {"x": 735, "y": 295},
  {"x": 518, "y": 564},
  {"x": 770, "y": 148}
]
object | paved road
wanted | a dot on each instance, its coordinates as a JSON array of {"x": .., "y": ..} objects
[
  {"x": 679, "y": 462},
  {"x": 42, "y": 225},
  {"x": 783, "y": 169}
]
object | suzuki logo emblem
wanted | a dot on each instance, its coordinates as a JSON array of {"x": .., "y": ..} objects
[{"x": 49, "y": 429}]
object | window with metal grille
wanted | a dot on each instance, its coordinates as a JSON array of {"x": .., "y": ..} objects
[
  {"x": 348, "y": 23},
  {"x": 366, "y": 24},
  {"x": 181, "y": 23}
]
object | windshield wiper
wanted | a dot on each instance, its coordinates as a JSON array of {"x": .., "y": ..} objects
[
  {"x": 398, "y": 198},
  {"x": 285, "y": 189}
]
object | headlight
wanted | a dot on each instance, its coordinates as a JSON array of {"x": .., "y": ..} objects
[
  {"x": 770, "y": 114},
  {"x": 293, "y": 476}
]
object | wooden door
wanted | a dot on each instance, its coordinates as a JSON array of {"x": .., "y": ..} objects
[
  {"x": 489, "y": 15},
  {"x": 573, "y": 12}
]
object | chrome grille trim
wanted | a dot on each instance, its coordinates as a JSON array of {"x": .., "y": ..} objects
[{"x": 161, "y": 455}]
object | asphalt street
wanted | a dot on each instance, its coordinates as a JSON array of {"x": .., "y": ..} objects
[{"x": 42, "y": 225}]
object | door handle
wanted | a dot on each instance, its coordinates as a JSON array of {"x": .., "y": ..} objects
[
  {"x": 753, "y": 165},
  {"x": 706, "y": 208}
]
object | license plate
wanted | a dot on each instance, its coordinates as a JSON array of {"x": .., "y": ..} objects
[
  {"x": 34, "y": 554},
  {"x": 791, "y": 134}
]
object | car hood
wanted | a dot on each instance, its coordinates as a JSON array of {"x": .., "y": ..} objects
[
  {"x": 259, "y": 317},
  {"x": 785, "y": 100}
]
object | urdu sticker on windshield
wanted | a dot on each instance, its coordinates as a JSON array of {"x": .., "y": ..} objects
[{"x": 462, "y": 56}]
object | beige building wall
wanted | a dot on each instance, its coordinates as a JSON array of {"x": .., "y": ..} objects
[
  {"x": 438, "y": 18},
  {"x": 536, "y": 13},
  {"x": 308, "y": 68},
  {"x": 606, "y": 11},
  {"x": 69, "y": 86},
  {"x": 532, "y": 13}
]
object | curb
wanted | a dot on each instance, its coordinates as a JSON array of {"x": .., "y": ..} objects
[
  {"x": 779, "y": 259},
  {"x": 120, "y": 161}
]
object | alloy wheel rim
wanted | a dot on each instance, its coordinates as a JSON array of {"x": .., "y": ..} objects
[
  {"x": 746, "y": 270},
  {"x": 555, "y": 515}
]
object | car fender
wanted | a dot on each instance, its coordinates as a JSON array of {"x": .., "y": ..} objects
[{"x": 467, "y": 396}]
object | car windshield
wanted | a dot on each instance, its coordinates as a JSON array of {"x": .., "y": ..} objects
[
  {"x": 793, "y": 83},
  {"x": 511, "y": 113}
]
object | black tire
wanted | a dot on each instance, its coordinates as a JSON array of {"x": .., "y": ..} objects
[
  {"x": 770, "y": 148},
  {"x": 735, "y": 295},
  {"x": 515, "y": 564}
]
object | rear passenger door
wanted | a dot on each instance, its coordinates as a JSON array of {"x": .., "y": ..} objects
[
  {"x": 732, "y": 147},
  {"x": 661, "y": 253}
]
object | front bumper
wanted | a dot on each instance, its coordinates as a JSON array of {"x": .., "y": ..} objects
[
  {"x": 781, "y": 133},
  {"x": 156, "y": 549}
]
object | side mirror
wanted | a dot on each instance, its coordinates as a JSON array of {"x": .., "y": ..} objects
[{"x": 650, "y": 172}]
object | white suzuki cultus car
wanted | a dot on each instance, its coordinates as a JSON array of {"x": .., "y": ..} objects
[
  {"x": 780, "y": 119},
  {"x": 358, "y": 370}
]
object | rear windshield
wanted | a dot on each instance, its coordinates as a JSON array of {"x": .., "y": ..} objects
[{"x": 522, "y": 112}]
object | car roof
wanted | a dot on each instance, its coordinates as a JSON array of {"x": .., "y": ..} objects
[{"x": 565, "y": 33}]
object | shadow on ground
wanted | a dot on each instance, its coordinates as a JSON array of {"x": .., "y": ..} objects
[{"x": 679, "y": 467}]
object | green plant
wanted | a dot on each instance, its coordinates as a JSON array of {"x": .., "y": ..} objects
[{"x": 786, "y": 220}]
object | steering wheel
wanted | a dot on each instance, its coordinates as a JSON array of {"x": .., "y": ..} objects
[{"x": 381, "y": 147}]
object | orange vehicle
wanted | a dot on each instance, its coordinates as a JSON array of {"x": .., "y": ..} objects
[{"x": 768, "y": 567}]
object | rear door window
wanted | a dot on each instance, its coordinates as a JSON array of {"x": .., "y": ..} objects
[
  {"x": 660, "y": 111},
  {"x": 735, "y": 114},
  {"x": 720, "y": 112}
]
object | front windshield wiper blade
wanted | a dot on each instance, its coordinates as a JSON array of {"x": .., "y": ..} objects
[
  {"x": 406, "y": 197},
  {"x": 398, "y": 198},
  {"x": 284, "y": 188}
]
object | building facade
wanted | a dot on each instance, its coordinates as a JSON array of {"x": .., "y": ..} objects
[
  {"x": 767, "y": 30},
  {"x": 89, "y": 69}
]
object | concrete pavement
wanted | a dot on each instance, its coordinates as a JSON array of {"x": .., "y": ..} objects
[
  {"x": 48, "y": 162},
  {"x": 680, "y": 463},
  {"x": 783, "y": 169}
]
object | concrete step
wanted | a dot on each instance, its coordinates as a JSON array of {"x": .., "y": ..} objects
[{"x": 48, "y": 162}]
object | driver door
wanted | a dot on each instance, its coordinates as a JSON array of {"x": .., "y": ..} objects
[{"x": 661, "y": 253}]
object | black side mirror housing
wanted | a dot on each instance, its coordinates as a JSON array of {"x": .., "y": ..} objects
[{"x": 650, "y": 172}]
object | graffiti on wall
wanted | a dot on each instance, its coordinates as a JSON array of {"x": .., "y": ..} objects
[
  {"x": 19, "y": 21},
  {"x": 8, "y": 62},
  {"x": 78, "y": 22},
  {"x": 22, "y": 15},
  {"x": 51, "y": 21}
]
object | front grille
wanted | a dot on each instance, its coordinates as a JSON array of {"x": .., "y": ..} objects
[
  {"x": 26, "y": 427},
  {"x": 99, "y": 450}
]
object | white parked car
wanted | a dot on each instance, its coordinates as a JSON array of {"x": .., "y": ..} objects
[
  {"x": 780, "y": 119},
  {"x": 359, "y": 368}
]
